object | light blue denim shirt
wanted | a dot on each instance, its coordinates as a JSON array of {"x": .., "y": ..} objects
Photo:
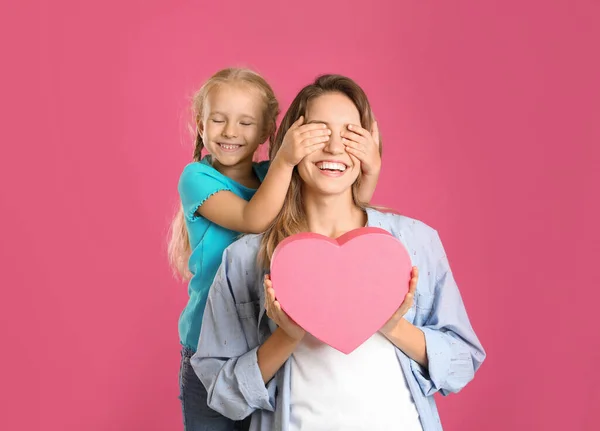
[{"x": 235, "y": 325}]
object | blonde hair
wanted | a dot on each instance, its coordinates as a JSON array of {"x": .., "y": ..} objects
[
  {"x": 179, "y": 248},
  {"x": 292, "y": 218}
]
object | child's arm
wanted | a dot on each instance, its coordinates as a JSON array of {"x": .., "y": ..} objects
[
  {"x": 232, "y": 212},
  {"x": 365, "y": 147},
  {"x": 367, "y": 187}
]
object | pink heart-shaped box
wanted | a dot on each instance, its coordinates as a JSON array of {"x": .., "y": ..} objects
[{"x": 343, "y": 290}]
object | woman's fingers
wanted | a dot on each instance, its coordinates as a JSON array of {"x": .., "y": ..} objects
[{"x": 412, "y": 286}]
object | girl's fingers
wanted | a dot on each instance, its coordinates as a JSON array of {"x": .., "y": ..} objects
[
  {"x": 360, "y": 155},
  {"x": 355, "y": 137},
  {"x": 375, "y": 133},
  {"x": 313, "y": 129},
  {"x": 312, "y": 148},
  {"x": 354, "y": 145},
  {"x": 358, "y": 130},
  {"x": 297, "y": 123},
  {"x": 314, "y": 140},
  {"x": 356, "y": 161}
]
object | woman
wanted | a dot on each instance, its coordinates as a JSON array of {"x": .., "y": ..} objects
[{"x": 256, "y": 361}]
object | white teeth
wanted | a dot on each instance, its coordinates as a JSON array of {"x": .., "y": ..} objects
[
  {"x": 229, "y": 147},
  {"x": 332, "y": 166}
]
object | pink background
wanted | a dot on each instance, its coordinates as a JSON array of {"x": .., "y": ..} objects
[{"x": 490, "y": 115}]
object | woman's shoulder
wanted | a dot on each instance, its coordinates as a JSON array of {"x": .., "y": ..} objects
[
  {"x": 393, "y": 221},
  {"x": 246, "y": 244},
  {"x": 242, "y": 253},
  {"x": 421, "y": 240}
]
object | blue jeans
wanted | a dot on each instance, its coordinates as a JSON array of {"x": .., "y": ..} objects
[{"x": 197, "y": 416}]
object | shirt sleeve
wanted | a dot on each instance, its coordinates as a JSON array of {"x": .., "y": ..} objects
[
  {"x": 197, "y": 183},
  {"x": 224, "y": 363},
  {"x": 454, "y": 352}
]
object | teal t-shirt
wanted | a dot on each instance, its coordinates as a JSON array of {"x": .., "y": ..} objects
[{"x": 199, "y": 181}]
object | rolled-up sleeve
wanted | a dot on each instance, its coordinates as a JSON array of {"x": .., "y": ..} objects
[
  {"x": 224, "y": 362},
  {"x": 454, "y": 352}
]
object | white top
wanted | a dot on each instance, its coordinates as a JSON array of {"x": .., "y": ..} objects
[{"x": 363, "y": 391}]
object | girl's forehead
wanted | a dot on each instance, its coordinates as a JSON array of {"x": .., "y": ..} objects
[{"x": 234, "y": 98}]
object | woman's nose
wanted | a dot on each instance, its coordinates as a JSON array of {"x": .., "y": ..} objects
[{"x": 335, "y": 144}]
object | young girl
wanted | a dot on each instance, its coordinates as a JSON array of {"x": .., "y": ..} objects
[
  {"x": 235, "y": 111},
  {"x": 255, "y": 361}
]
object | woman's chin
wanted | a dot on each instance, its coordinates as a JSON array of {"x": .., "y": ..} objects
[{"x": 321, "y": 188}]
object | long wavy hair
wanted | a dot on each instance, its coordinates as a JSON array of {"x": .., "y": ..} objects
[{"x": 292, "y": 217}]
